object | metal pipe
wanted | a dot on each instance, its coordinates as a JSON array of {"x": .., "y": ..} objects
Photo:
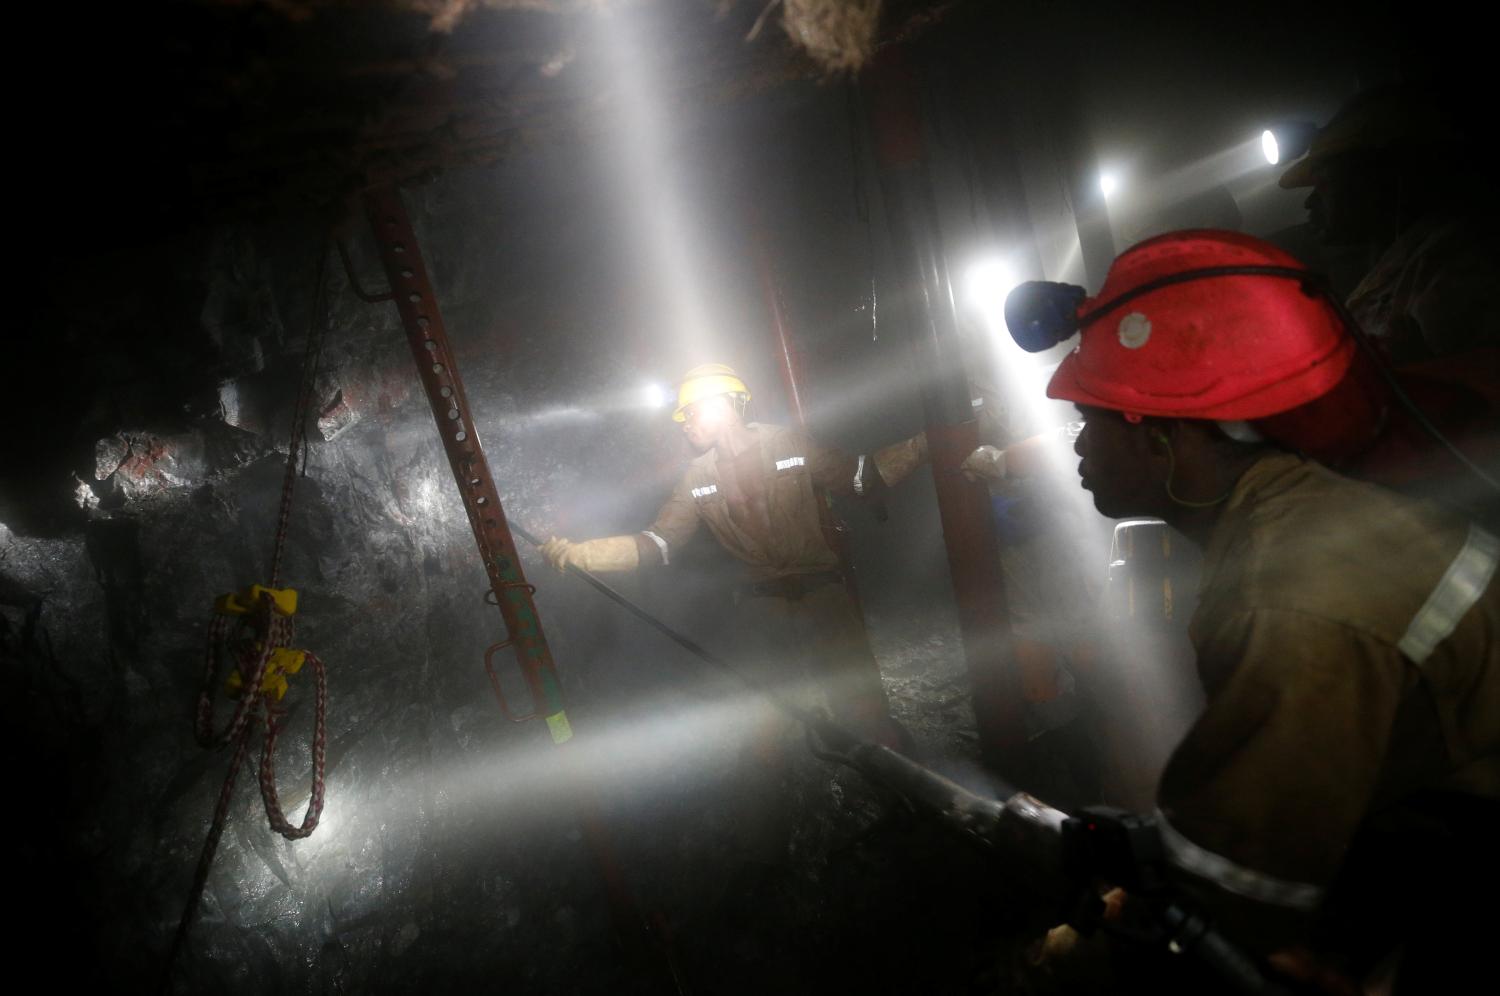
[{"x": 820, "y": 724}]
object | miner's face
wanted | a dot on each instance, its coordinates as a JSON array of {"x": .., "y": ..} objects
[
  {"x": 1352, "y": 198},
  {"x": 706, "y": 421},
  {"x": 1120, "y": 467}
]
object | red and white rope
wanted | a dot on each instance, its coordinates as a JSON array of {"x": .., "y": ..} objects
[{"x": 319, "y": 753}]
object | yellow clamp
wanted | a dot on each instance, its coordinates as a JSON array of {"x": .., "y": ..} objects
[
  {"x": 239, "y": 603},
  {"x": 282, "y": 663}
]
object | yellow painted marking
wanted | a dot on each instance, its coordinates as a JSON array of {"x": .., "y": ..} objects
[{"x": 558, "y": 724}]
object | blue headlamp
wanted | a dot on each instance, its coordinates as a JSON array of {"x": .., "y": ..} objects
[{"x": 1040, "y": 314}]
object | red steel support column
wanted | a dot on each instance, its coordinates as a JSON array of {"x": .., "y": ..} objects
[
  {"x": 892, "y": 94},
  {"x": 788, "y": 357},
  {"x": 789, "y": 363}
]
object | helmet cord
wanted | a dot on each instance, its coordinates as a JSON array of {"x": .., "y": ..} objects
[{"x": 1172, "y": 471}]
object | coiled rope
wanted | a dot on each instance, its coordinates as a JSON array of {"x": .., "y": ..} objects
[{"x": 255, "y": 628}]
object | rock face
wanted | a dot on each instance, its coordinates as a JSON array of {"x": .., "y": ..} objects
[{"x": 450, "y": 854}]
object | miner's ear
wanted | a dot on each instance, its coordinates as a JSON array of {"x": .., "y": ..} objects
[{"x": 1158, "y": 436}]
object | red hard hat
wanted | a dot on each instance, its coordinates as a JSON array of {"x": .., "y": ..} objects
[{"x": 1226, "y": 347}]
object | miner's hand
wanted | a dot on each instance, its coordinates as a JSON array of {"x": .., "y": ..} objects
[{"x": 612, "y": 553}]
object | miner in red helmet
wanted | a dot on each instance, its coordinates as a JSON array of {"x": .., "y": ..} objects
[{"x": 1339, "y": 791}]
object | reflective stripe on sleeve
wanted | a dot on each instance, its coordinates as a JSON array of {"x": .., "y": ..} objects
[
  {"x": 665, "y": 557},
  {"x": 791, "y": 462},
  {"x": 1460, "y": 587},
  {"x": 1235, "y": 878},
  {"x": 704, "y": 492},
  {"x": 859, "y": 477}
]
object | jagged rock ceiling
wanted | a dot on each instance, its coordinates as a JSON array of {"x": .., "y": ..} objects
[{"x": 207, "y": 108}]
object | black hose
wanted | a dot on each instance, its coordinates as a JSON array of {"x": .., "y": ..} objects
[
  {"x": 1412, "y": 408},
  {"x": 921, "y": 787},
  {"x": 836, "y": 736}
]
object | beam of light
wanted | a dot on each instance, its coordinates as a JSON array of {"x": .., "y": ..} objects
[
  {"x": 518, "y": 778},
  {"x": 1269, "y": 147},
  {"x": 1067, "y": 263},
  {"x": 1017, "y": 383},
  {"x": 1206, "y": 172},
  {"x": 639, "y": 144},
  {"x": 986, "y": 284},
  {"x": 980, "y": 291},
  {"x": 521, "y": 775},
  {"x": 650, "y": 398},
  {"x": 1058, "y": 573},
  {"x": 1270, "y": 181},
  {"x": 1227, "y": 168},
  {"x": 545, "y": 416},
  {"x": 1108, "y": 184}
]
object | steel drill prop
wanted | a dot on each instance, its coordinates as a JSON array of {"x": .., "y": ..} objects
[{"x": 644, "y": 936}]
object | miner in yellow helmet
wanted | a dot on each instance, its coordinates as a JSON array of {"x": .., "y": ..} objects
[{"x": 762, "y": 491}]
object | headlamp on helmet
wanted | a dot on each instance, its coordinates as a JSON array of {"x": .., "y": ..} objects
[
  {"x": 1040, "y": 314},
  {"x": 1194, "y": 324}
]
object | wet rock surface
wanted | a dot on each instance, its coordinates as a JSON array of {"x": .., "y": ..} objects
[{"x": 450, "y": 854}]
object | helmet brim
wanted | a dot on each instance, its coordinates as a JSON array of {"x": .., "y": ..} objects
[
  {"x": 679, "y": 414},
  {"x": 1070, "y": 383},
  {"x": 1299, "y": 174}
]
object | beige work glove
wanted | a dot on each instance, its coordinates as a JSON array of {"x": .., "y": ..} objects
[
  {"x": 896, "y": 461},
  {"x": 612, "y": 553},
  {"x": 985, "y": 464},
  {"x": 1020, "y": 459}
]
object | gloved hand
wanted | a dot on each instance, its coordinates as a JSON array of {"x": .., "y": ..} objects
[
  {"x": 896, "y": 461},
  {"x": 1316, "y": 975},
  {"x": 612, "y": 553},
  {"x": 987, "y": 463}
]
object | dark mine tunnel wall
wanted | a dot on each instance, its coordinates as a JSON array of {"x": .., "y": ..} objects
[
  {"x": 444, "y": 858},
  {"x": 151, "y": 384}
]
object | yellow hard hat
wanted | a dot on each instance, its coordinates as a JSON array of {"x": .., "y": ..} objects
[{"x": 707, "y": 381}]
